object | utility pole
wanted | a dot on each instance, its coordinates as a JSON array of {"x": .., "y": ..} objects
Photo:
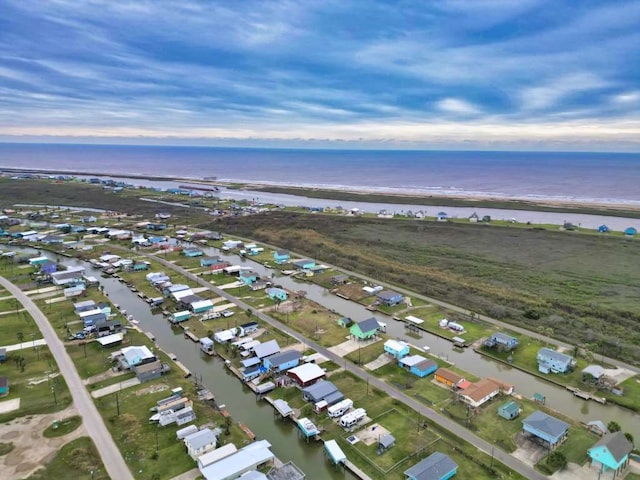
[{"x": 117, "y": 404}]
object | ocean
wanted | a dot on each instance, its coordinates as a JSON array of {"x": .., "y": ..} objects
[{"x": 612, "y": 178}]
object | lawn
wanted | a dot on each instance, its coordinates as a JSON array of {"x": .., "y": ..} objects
[
  {"x": 78, "y": 459},
  {"x": 18, "y": 327},
  {"x": 62, "y": 427},
  {"x": 631, "y": 395},
  {"x": 313, "y": 321},
  {"x": 574, "y": 447}
]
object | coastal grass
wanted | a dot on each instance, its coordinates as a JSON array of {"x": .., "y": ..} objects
[
  {"x": 18, "y": 328},
  {"x": 78, "y": 459},
  {"x": 574, "y": 448},
  {"x": 6, "y": 448},
  {"x": 584, "y": 287},
  {"x": 62, "y": 427},
  {"x": 311, "y": 320}
]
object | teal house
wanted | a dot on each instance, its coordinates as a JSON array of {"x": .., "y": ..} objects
[
  {"x": 509, "y": 410},
  {"x": 277, "y": 294},
  {"x": 192, "y": 252},
  {"x": 305, "y": 264},
  {"x": 630, "y": 232},
  {"x": 4, "y": 386},
  {"x": 365, "y": 329},
  {"x": 281, "y": 256},
  {"x": 611, "y": 453},
  {"x": 248, "y": 277}
]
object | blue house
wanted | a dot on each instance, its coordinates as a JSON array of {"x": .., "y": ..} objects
[
  {"x": 277, "y": 293},
  {"x": 156, "y": 226},
  {"x": 396, "y": 349},
  {"x": 418, "y": 365},
  {"x": 611, "y": 453},
  {"x": 281, "y": 256},
  {"x": 282, "y": 361},
  {"x": 553, "y": 361},
  {"x": 305, "y": 264},
  {"x": 509, "y": 410},
  {"x": 442, "y": 216},
  {"x": 248, "y": 277},
  {"x": 502, "y": 341},
  {"x": 192, "y": 252},
  {"x": 603, "y": 229},
  {"x": 436, "y": 466},
  {"x": 389, "y": 298},
  {"x": 208, "y": 261},
  {"x": 4, "y": 386},
  {"x": 630, "y": 231},
  {"x": 546, "y": 427}
]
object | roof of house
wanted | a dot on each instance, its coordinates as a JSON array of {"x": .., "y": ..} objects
[
  {"x": 449, "y": 375},
  {"x": 148, "y": 367},
  {"x": 388, "y": 294},
  {"x": 555, "y": 355},
  {"x": 503, "y": 337},
  {"x": 617, "y": 444},
  {"x": 217, "y": 454},
  {"x": 253, "y": 475},
  {"x": 282, "y": 252},
  {"x": 481, "y": 389},
  {"x": 386, "y": 440},
  {"x": 307, "y": 372},
  {"x": 598, "y": 425},
  {"x": 395, "y": 345},
  {"x": 255, "y": 453},
  {"x": 267, "y": 348},
  {"x": 504, "y": 386},
  {"x": 412, "y": 360},
  {"x": 596, "y": 371},
  {"x": 510, "y": 406},
  {"x": 435, "y": 466},
  {"x": 368, "y": 325},
  {"x": 546, "y": 423},
  {"x": 110, "y": 339},
  {"x": 284, "y": 357},
  {"x": 135, "y": 354},
  {"x": 425, "y": 365},
  {"x": 320, "y": 390},
  {"x": 200, "y": 439}
]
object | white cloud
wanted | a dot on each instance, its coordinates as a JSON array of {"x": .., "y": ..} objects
[
  {"x": 550, "y": 93},
  {"x": 627, "y": 98},
  {"x": 457, "y": 106}
]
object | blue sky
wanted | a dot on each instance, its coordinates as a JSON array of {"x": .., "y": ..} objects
[{"x": 488, "y": 74}]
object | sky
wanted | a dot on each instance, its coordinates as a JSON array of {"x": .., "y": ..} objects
[{"x": 445, "y": 74}]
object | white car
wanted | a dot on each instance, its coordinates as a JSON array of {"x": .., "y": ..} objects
[{"x": 227, "y": 313}]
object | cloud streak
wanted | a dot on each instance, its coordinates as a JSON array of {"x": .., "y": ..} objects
[{"x": 495, "y": 74}]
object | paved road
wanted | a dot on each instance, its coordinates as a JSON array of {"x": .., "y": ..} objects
[
  {"x": 111, "y": 457},
  {"x": 505, "y": 458}
]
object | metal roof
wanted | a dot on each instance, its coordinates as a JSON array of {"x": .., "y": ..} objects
[
  {"x": 200, "y": 439},
  {"x": 546, "y": 423},
  {"x": 435, "y": 466},
  {"x": 267, "y": 348},
  {"x": 368, "y": 325},
  {"x": 307, "y": 372},
  {"x": 320, "y": 390},
  {"x": 616, "y": 443},
  {"x": 284, "y": 357}
]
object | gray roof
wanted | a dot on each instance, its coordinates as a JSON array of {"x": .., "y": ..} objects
[
  {"x": 555, "y": 355},
  {"x": 319, "y": 390},
  {"x": 546, "y": 423},
  {"x": 200, "y": 439},
  {"x": 368, "y": 325},
  {"x": 387, "y": 294},
  {"x": 387, "y": 440},
  {"x": 434, "y": 467},
  {"x": 334, "y": 397},
  {"x": 267, "y": 348},
  {"x": 617, "y": 444},
  {"x": 596, "y": 371},
  {"x": 253, "y": 475},
  {"x": 503, "y": 337},
  {"x": 284, "y": 357}
]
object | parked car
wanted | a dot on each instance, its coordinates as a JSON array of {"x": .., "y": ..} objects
[
  {"x": 78, "y": 336},
  {"x": 227, "y": 313}
]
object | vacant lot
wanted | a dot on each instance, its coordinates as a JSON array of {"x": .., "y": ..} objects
[{"x": 584, "y": 287}]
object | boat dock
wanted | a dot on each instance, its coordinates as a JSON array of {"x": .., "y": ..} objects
[
  {"x": 247, "y": 432},
  {"x": 190, "y": 335},
  {"x": 355, "y": 470},
  {"x": 586, "y": 395}
]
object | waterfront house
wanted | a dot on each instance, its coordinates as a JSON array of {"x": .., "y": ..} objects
[
  {"x": 306, "y": 374},
  {"x": 304, "y": 264},
  {"x": 150, "y": 371},
  {"x": 247, "y": 459},
  {"x": 85, "y": 306},
  {"x": 418, "y": 365},
  {"x": 546, "y": 428},
  {"x": 442, "y": 216},
  {"x": 598, "y": 427},
  {"x": 192, "y": 252},
  {"x": 449, "y": 378},
  {"x": 365, "y": 329},
  {"x": 248, "y": 277},
  {"x": 478, "y": 393},
  {"x": 603, "y": 228},
  {"x": 208, "y": 261},
  {"x": 339, "y": 280},
  {"x": 277, "y": 294},
  {"x": 396, "y": 349},
  {"x": 389, "y": 298},
  {"x": 554, "y": 361},
  {"x": 136, "y": 355},
  {"x": 200, "y": 442},
  {"x": 216, "y": 455},
  {"x": 266, "y": 349},
  {"x": 502, "y": 342},
  {"x": 436, "y": 466},
  {"x": 322, "y": 391},
  {"x": 4, "y": 386},
  {"x": 282, "y": 361},
  {"x": 201, "y": 306},
  {"x": 509, "y": 410},
  {"x": 611, "y": 453}
]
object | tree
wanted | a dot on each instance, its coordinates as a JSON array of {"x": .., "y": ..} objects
[
  {"x": 629, "y": 437},
  {"x": 613, "y": 426},
  {"x": 249, "y": 313},
  {"x": 557, "y": 460},
  {"x": 20, "y": 336}
]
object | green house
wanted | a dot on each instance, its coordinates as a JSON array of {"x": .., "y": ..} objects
[
  {"x": 365, "y": 329},
  {"x": 509, "y": 410}
]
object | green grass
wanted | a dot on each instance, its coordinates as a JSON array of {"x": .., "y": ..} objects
[
  {"x": 574, "y": 448},
  {"x": 62, "y": 427},
  {"x": 13, "y": 324},
  {"x": 631, "y": 395},
  {"x": 78, "y": 459},
  {"x": 6, "y": 448},
  {"x": 313, "y": 321}
]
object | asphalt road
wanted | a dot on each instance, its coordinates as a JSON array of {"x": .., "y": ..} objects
[
  {"x": 448, "y": 424},
  {"x": 111, "y": 457}
]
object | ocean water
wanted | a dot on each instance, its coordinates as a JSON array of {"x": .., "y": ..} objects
[{"x": 581, "y": 177}]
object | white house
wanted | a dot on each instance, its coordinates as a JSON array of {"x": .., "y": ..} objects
[{"x": 200, "y": 442}]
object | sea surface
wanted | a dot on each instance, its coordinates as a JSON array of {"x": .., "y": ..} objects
[{"x": 612, "y": 178}]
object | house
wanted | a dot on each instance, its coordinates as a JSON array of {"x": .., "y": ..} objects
[
  {"x": 509, "y": 410},
  {"x": 85, "y": 306},
  {"x": 192, "y": 252},
  {"x": 276, "y": 294},
  {"x": 474, "y": 218},
  {"x": 266, "y": 349},
  {"x": 418, "y": 365},
  {"x": 344, "y": 322},
  {"x": 4, "y": 386},
  {"x": 110, "y": 340},
  {"x": 282, "y": 361},
  {"x": 546, "y": 428},
  {"x": 630, "y": 232},
  {"x": 365, "y": 329},
  {"x": 322, "y": 390},
  {"x": 603, "y": 228},
  {"x": 436, "y": 466},
  {"x": 156, "y": 226},
  {"x": 248, "y": 277},
  {"x": 597, "y": 427},
  {"x": 216, "y": 455},
  {"x": 396, "y": 349},
  {"x": 442, "y": 216},
  {"x": 245, "y": 460},
  {"x": 478, "y": 393},
  {"x": 449, "y": 378},
  {"x": 200, "y": 442},
  {"x": 201, "y": 306},
  {"x": 339, "y": 280},
  {"x": 611, "y": 453},
  {"x": 136, "y": 355},
  {"x": 389, "y": 298},
  {"x": 554, "y": 361},
  {"x": 306, "y": 374},
  {"x": 592, "y": 372},
  {"x": 208, "y": 261},
  {"x": 305, "y": 264},
  {"x": 68, "y": 276},
  {"x": 502, "y": 341},
  {"x": 150, "y": 371}
]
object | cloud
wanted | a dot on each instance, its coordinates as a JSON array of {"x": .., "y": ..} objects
[{"x": 457, "y": 106}]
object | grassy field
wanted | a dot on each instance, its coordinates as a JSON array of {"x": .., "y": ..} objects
[
  {"x": 62, "y": 427},
  {"x": 313, "y": 321},
  {"x": 584, "y": 287},
  {"x": 17, "y": 327},
  {"x": 78, "y": 459}
]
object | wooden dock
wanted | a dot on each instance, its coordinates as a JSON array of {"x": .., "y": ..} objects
[
  {"x": 247, "y": 432},
  {"x": 355, "y": 470},
  {"x": 586, "y": 395},
  {"x": 191, "y": 336}
]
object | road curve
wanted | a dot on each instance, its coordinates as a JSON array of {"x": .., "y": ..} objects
[
  {"x": 111, "y": 457},
  {"x": 503, "y": 457}
]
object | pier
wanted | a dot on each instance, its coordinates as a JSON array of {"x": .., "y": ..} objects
[{"x": 586, "y": 395}]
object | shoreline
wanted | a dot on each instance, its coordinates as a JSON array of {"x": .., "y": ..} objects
[{"x": 373, "y": 195}]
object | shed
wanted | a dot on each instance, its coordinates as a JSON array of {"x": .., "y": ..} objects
[
  {"x": 449, "y": 378},
  {"x": 345, "y": 322},
  {"x": 339, "y": 279},
  {"x": 244, "y": 460},
  {"x": 603, "y": 228},
  {"x": 110, "y": 340},
  {"x": 306, "y": 374},
  {"x": 3, "y": 354},
  {"x": 545, "y": 427},
  {"x": 436, "y": 466},
  {"x": 630, "y": 232},
  {"x": 386, "y": 442},
  {"x": 509, "y": 410}
]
